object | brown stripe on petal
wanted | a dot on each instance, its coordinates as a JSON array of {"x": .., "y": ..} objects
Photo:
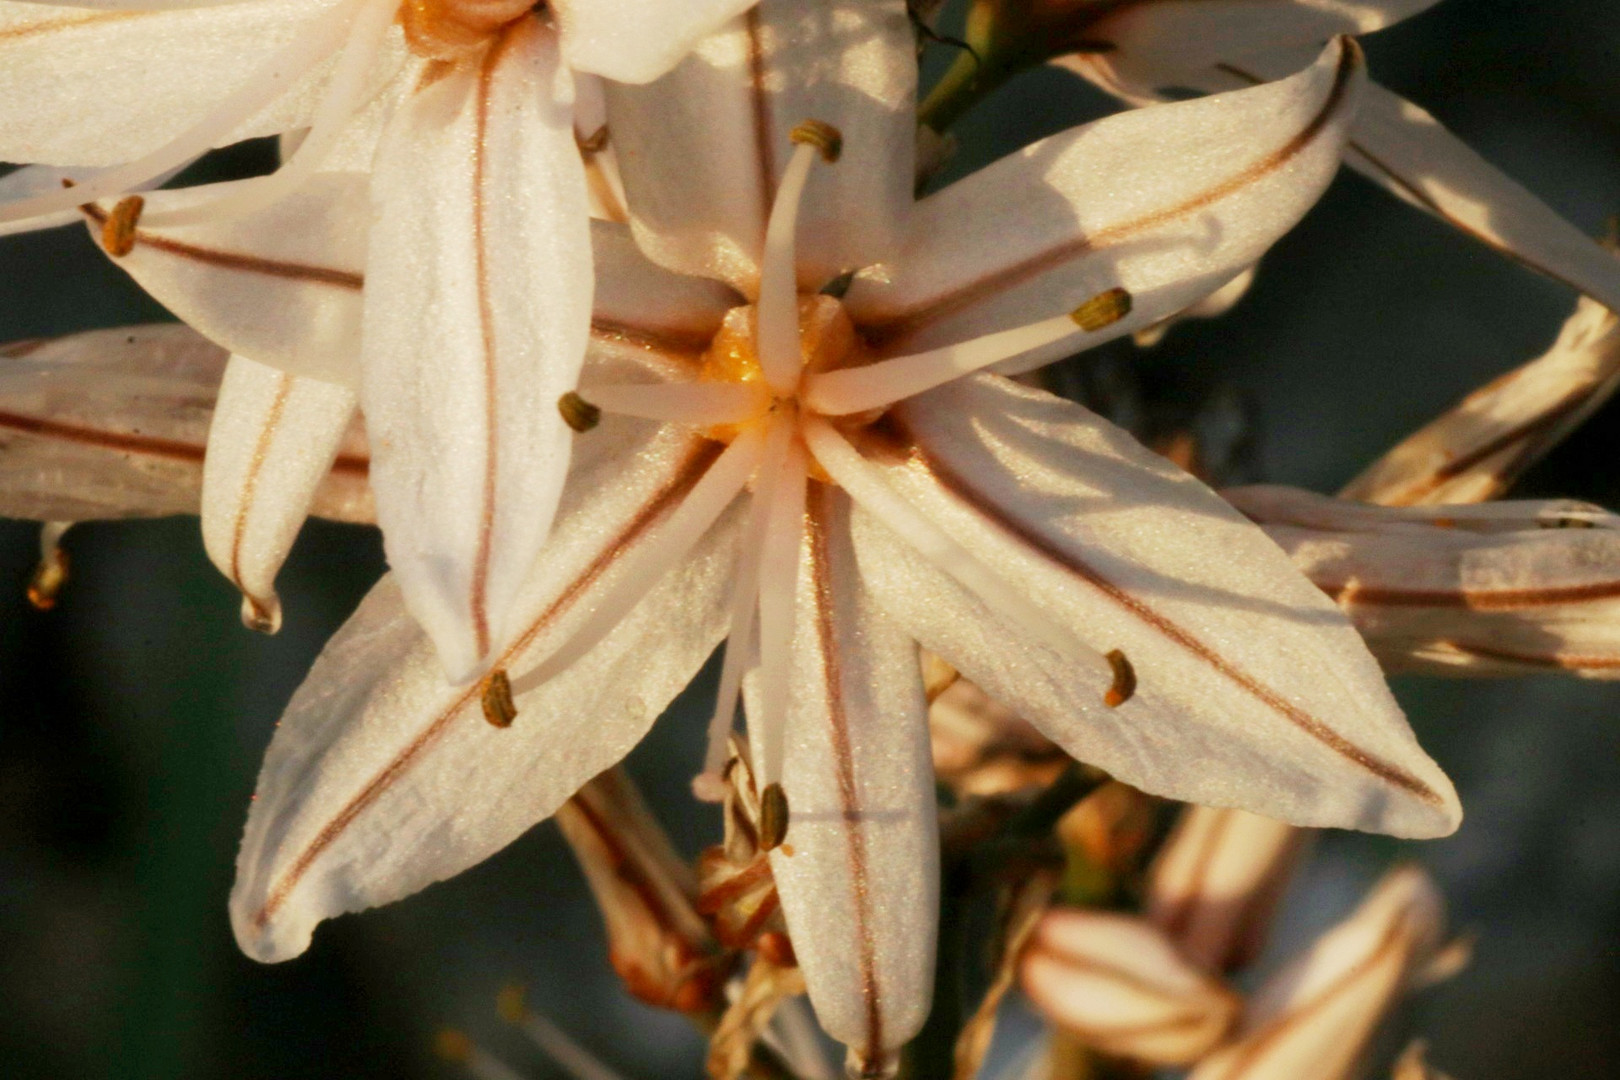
[
  {"x": 88, "y": 20},
  {"x": 820, "y": 509},
  {"x": 250, "y": 484},
  {"x": 1354, "y": 593},
  {"x": 232, "y": 260},
  {"x": 1178, "y": 920},
  {"x": 760, "y": 101},
  {"x": 700, "y": 456},
  {"x": 681, "y": 346},
  {"x": 1553, "y": 661},
  {"x": 986, "y": 507},
  {"x": 889, "y": 331},
  {"x": 123, "y": 442}
]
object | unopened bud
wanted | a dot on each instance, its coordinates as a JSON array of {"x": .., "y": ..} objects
[
  {"x": 1119, "y": 985},
  {"x": 1317, "y": 1016},
  {"x": 981, "y": 747},
  {"x": 1217, "y": 881}
]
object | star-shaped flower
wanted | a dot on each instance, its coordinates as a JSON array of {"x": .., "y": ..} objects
[
  {"x": 477, "y": 306},
  {"x": 830, "y": 477}
]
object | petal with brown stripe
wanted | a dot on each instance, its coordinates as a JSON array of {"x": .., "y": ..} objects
[
  {"x": 1250, "y": 690},
  {"x": 477, "y": 315},
  {"x": 1168, "y": 203},
  {"x": 281, "y": 285},
  {"x": 635, "y": 41},
  {"x": 858, "y": 872},
  {"x": 725, "y": 114},
  {"x": 274, "y": 439},
  {"x": 383, "y": 778}
]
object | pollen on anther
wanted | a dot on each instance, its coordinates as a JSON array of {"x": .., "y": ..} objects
[
  {"x": 773, "y": 817},
  {"x": 118, "y": 231},
  {"x": 821, "y": 135},
  {"x": 49, "y": 576},
  {"x": 1104, "y": 309},
  {"x": 1124, "y": 685},
  {"x": 578, "y": 413},
  {"x": 499, "y": 708}
]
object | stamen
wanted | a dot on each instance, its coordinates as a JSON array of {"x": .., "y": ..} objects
[
  {"x": 1124, "y": 685},
  {"x": 846, "y": 466},
  {"x": 555, "y": 1043},
  {"x": 578, "y": 413},
  {"x": 52, "y": 572},
  {"x": 499, "y": 708},
  {"x": 778, "y": 591},
  {"x": 709, "y": 785},
  {"x": 118, "y": 231},
  {"x": 280, "y": 73},
  {"x": 454, "y": 1046},
  {"x": 345, "y": 93},
  {"x": 773, "y": 817},
  {"x": 665, "y": 546},
  {"x": 699, "y": 404},
  {"x": 779, "y": 355},
  {"x": 853, "y": 390}
]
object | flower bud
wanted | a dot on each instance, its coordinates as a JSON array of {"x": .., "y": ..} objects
[
  {"x": 657, "y": 942},
  {"x": 1117, "y": 983},
  {"x": 1217, "y": 882},
  {"x": 983, "y": 748},
  {"x": 1316, "y": 1017}
]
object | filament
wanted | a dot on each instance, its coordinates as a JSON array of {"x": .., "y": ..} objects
[
  {"x": 701, "y": 404},
  {"x": 778, "y": 586},
  {"x": 779, "y": 355}
]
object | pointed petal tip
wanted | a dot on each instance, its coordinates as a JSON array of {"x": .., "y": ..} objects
[{"x": 261, "y": 614}]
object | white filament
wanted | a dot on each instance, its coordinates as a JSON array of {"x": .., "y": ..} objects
[
  {"x": 50, "y": 539},
  {"x": 852, "y": 390},
  {"x": 702, "y": 404},
  {"x": 345, "y": 93},
  {"x": 666, "y": 544},
  {"x": 708, "y": 785},
  {"x": 874, "y": 495},
  {"x": 779, "y": 355},
  {"x": 486, "y": 1066},
  {"x": 558, "y": 1045},
  {"x": 290, "y": 63},
  {"x": 778, "y": 588}
]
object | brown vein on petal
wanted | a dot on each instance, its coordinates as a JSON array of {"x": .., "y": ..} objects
[
  {"x": 976, "y": 500},
  {"x": 232, "y": 260},
  {"x": 250, "y": 484},
  {"x": 1090, "y": 965},
  {"x": 684, "y": 347},
  {"x": 700, "y": 455},
  {"x": 1422, "y": 198},
  {"x": 1179, "y": 918},
  {"x": 1551, "y": 661},
  {"x": 89, "y": 20},
  {"x": 889, "y": 330},
  {"x": 626, "y": 867},
  {"x": 760, "y": 102},
  {"x": 1353, "y": 593},
  {"x": 1253, "y": 1050},
  {"x": 844, "y": 766}
]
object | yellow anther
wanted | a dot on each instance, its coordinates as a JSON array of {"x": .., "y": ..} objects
[
  {"x": 453, "y": 1045},
  {"x": 118, "y": 231},
  {"x": 511, "y": 1003},
  {"x": 1104, "y": 309},
  {"x": 773, "y": 817},
  {"x": 49, "y": 577},
  {"x": 1124, "y": 685},
  {"x": 578, "y": 413},
  {"x": 821, "y": 135},
  {"x": 499, "y": 708}
]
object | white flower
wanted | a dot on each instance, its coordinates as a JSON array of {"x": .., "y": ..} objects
[
  {"x": 478, "y": 298},
  {"x": 828, "y": 482},
  {"x": 1502, "y": 588}
]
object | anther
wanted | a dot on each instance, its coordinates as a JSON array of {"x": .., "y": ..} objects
[
  {"x": 118, "y": 231},
  {"x": 773, "y": 817},
  {"x": 578, "y": 413},
  {"x": 453, "y": 1045},
  {"x": 49, "y": 577},
  {"x": 511, "y": 1003},
  {"x": 499, "y": 708},
  {"x": 1124, "y": 685},
  {"x": 821, "y": 135},
  {"x": 1104, "y": 309}
]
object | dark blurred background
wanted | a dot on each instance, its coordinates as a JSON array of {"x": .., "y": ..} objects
[{"x": 132, "y": 718}]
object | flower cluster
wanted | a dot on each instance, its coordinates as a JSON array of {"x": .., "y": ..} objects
[{"x": 626, "y": 323}]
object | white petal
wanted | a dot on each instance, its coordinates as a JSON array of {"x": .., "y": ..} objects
[
  {"x": 1475, "y": 450},
  {"x": 1151, "y": 44},
  {"x": 31, "y": 180},
  {"x": 273, "y": 441},
  {"x": 636, "y": 41},
  {"x": 383, "y": 778},
  {"x": 640, "y": 299},
  {"x": 106, "y": 424},
  {"x": 860, "y": 888},
  {"x": 725, "y": 114},
  {"x": 1250, "y": 691},
  {"x": 281, "y": 285},
  {"x": 1169, "y": 203},
  {"x": 476, "y": 318},
  {"x": 109, "y": 86}
]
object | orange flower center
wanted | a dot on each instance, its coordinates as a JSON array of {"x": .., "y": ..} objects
[{"x": 451, "y": 29}]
